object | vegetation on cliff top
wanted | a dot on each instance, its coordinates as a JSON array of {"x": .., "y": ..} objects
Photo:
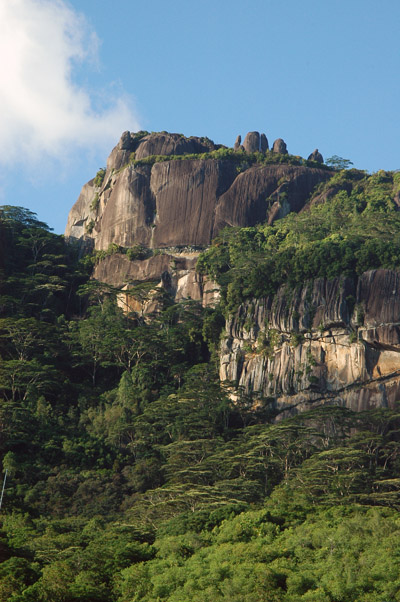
[
  {"x": 354, "y": 227},
  {"x": 243, "y": 159}
]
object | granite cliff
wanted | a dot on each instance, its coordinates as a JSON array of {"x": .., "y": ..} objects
[
  {"x": 173, "y": 194},
  {"x": 164, "y": 198},
  {"x": 328, "y": 342},
  {"x": 185, "y": 199}
]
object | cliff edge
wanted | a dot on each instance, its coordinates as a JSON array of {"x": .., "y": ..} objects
[{"x": 162, "y": 190}]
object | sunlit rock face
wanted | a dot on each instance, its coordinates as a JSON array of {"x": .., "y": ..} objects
[
  {"x": 185, "y": 200},
  {"x": 329, "y": 342},
  {"x": 177, "y": 206}
]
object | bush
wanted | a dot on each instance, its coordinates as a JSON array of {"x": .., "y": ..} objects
[
  {"x": 89, "y": 226},
  {"x": 99, "y": 178},
  {"x": 94, "y": 205},
  {"x": 137, "y": 252}
]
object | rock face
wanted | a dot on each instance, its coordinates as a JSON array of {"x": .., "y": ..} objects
[
  {"x": 331, "y": 342},
  {"x": 175, "y": 273},
  {"x": 183, "y": 201},
  {"x": 265, "y": 192}
]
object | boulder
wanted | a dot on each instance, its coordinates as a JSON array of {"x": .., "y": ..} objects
[
  {"x": 126, "y": 142},
  {"x": 264, "y": 143},
  {"x": 251, "y": 143},
  {"x": 316, "y": 156},
  {"x": 279, "y": 146},
  {"x": 238, "y": 142}
]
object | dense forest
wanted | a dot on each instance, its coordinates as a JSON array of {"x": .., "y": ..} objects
[{"x": 133, "y": 476}]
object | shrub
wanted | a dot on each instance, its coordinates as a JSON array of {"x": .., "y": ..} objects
[
  {"x": 99, "y": 178},
  {"x": 296, "y": 339},
  {"x": 137, "y": 252},
  {"x": 89, "y": 226},
  {"x": 94, "y": 205}
]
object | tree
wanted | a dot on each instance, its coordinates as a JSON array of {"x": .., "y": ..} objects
[{"x": 338, "y": 162}]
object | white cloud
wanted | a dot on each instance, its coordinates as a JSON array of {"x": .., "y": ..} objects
[{"x": 42, "y": 111}]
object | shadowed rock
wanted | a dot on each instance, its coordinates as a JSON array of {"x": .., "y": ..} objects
[
  {"x": 346, "y": 350},
  {"x": 279, "y": 146},
  {"x": 126, "y": 142},
  {"x": 183, "y": 202},
  {"x": 251, "y": 143},
  {"x": 316, "y": 156},
  {"x": 238, "y": 142},
  {"x": 244, "y": 203},
  {"x": 263, "y": 143}
]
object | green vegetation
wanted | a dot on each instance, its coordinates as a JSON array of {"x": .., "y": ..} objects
[
  {"x": 132, "y": 474},
  {"x": 133, "y": 253},
  {"x": 99, "y": 178},
  {"x": 338, "y": 162},
  {"x": 138, "y": 252},
  {"x": 356, "y": 229},
  {"x": 242, "y": 159},
  {"x": 89, "y": 226},
  {"x": 94, "y": 205}
]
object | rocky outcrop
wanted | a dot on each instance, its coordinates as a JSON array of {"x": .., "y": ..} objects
[
  {"x": 238, "y": 143},
  {"x": 172, "y": 144},
  {"x": 143, "y": 144},
  {"x": 316, "y": 156},
  {"x": 280, "y": 147},
  {"x": 183, "y": 201},
  {"x": 253, "y": 143},
  {"x": 329, "y": 342},
  {"x": 263, "y": 143},
  {"x": 174, "y": 273}
]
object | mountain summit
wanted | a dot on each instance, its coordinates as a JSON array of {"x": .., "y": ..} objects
[{"x": 165, "y": 190}]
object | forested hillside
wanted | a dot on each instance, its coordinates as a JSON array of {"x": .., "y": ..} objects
[{"x": 132, "y": 473}]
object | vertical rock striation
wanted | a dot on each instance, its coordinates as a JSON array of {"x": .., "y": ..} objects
[
  {"x": 330, "y": 341},
  {"x": 185, "y": 200}
]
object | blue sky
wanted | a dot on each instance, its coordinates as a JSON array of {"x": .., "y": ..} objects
[{"x": 80, "y": 72}]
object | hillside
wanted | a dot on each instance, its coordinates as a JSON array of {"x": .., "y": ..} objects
[
  {"x": 311, "y": 329},
  {"x": 240, "y": 444}
]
